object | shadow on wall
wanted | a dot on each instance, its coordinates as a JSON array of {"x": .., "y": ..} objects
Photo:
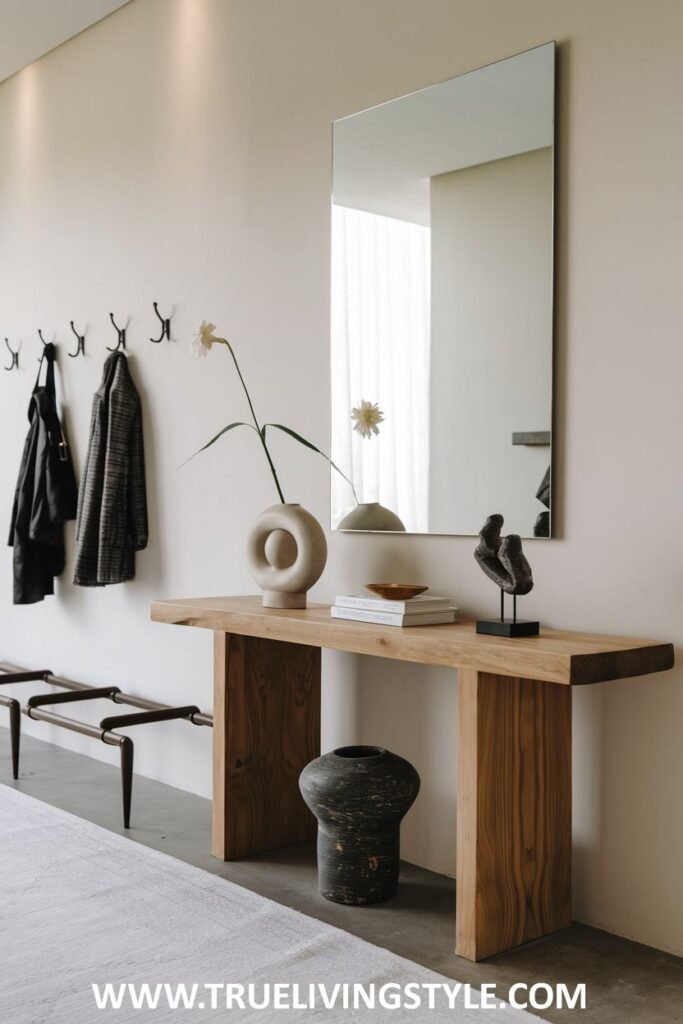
[
  {"x": 151, "y": 570},
  {"x": 588, "y": 797},
  {"x": 427, "y": 738},
  {"x": 398, "y": 564},
  {"x": 560, "y": 261}
]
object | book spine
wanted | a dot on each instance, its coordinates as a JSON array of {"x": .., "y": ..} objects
[
  {"x": 379, "y": 604},
  {"x": 392, "y": 619},
  {"x": 367, "y": 615}
]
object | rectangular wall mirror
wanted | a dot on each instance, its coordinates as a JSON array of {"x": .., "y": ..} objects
[{"x": 442, "y": 304}]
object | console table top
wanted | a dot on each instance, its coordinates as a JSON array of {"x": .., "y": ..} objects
[{"x": 554, "y": 656}]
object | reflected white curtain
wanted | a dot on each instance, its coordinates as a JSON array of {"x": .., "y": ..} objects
[{"x": 380, "y": 353}]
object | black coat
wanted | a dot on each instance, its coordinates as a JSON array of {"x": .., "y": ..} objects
[
  {"x": 112, "y": 503},
  {"x": 45, "y": 495}
]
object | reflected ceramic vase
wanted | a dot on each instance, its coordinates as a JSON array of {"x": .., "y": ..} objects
[
  {"x": 370, "y": 515},
  {"x": 359, "y": 796},
  {"x": 287, "y": 552}
]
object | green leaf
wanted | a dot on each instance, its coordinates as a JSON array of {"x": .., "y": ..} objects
[
  {"x": 230, "y": 426},
  {"x": 307, "y": 444}
]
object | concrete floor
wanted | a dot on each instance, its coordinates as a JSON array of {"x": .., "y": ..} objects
[{"x": 626, "y": 983}]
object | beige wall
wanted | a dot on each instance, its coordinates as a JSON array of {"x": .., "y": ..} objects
[
  {"x": 180, "y": 151},
  {"x": 491, "y": 352}
]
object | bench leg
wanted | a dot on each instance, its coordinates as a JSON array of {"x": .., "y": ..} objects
[
  {"x": 127, "y": 750},
  {"x": 266, "y": 729},
  {"x": 14, "y": 708},
  {"x": 513, "y": 874},
  {"x": 15, "y": 733}
]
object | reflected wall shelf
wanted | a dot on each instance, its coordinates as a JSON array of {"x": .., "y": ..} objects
[{"x": 531, "y": 437}]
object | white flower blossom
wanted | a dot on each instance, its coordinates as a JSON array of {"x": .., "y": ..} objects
[
  {"x": 367, "y": 417},
  {"x": 204, "y": 338}
]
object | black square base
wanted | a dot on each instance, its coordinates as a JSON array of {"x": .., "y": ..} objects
[{"x": 494, "y": 627}]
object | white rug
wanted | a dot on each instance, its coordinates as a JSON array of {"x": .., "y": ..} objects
[{"x": 82, "y": 906}]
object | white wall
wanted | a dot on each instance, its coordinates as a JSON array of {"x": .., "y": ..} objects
[
  {"x": 491, "y": 353},
  {"x": 179, "y": 151}
]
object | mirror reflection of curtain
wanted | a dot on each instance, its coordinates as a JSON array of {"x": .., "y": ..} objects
[{"x": 381, "y": 353}]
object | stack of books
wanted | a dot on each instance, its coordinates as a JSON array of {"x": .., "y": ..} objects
[{"x": 422, "y": 610}]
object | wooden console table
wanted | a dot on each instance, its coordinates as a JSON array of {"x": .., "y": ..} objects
[{"x": 513, "y": 785}]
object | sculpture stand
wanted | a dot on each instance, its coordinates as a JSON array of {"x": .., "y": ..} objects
[{"x": 507, "y": 627}]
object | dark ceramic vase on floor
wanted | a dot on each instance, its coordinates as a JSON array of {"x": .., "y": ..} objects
[{"x": 359, "y": 796}]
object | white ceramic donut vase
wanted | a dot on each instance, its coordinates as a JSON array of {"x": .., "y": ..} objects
[{"x": 287, "y": 552}]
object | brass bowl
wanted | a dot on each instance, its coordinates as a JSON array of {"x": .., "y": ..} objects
[{"x": 396, "y": 591}]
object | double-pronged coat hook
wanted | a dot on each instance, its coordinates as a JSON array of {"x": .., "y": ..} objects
[
  {"x": 121, "y": 331},
  {"x": 14, "y": 365},
  {"x": 40, "y": 335},
  {"x": 165, "y": 326},
  {"x": 80, "y": 351}
]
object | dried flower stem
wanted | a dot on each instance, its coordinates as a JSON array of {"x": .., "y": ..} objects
[
  {"x": 202, "y": 343},
  {"x": 257, "y": 425}
]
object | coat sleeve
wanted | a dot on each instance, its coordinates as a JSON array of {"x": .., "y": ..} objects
[{"x": 137, "y": 497}]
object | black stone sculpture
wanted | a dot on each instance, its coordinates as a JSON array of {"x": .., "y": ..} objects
[
  {"x": 359, "y": 796},
  {"x": 503, "y": 561},
  {"x": 502, "y": 558}
]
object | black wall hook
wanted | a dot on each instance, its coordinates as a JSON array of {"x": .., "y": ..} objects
[
  {"x": 80, "y": 351},
  {"x": 14, "y": 365},
  {"x": 121, "y": 331},
  {"x": 165, "y": 326},
  {"x": 40, "y": 335}
]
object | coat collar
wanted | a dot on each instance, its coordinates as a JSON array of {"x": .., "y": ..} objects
[{"x": 113, "y": 365}]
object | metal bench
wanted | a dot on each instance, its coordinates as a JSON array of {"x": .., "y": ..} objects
[{"x": 107, "y": 731}]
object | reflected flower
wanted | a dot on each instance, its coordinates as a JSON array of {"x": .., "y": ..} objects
[{"x": 367, "y": 416}]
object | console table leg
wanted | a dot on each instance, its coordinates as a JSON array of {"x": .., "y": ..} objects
[
  {"x": 266, "y": 728},
  {"x": 514, "y": 812}
]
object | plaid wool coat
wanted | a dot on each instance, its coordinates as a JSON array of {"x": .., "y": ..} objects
[{"x": 112, "y": 500}]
